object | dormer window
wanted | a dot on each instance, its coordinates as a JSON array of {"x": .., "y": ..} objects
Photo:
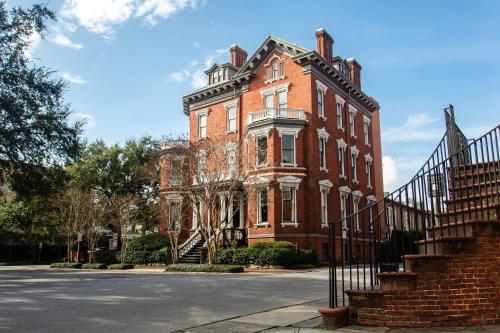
[{"x": 275, "y": 70}]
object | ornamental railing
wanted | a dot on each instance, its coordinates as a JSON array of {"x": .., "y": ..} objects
[
  {"x": 459, "y": 182},
  {"x": 276, "y": 113},
  {"x": 190, "y": 243}
]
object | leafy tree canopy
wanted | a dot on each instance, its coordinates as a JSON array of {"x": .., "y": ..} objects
[{"x": 34, "y": 125}]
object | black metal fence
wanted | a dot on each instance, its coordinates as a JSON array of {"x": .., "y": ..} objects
[{"x": 459, "y": 182}]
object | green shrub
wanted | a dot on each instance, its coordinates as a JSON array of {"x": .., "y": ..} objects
[
  {"x": 273, "y": 245},
  {"x": 147, "y": 249},
  {"x": 107, "y": 257},
  {"x": 270, "y": 254},
  {"x": 121, "y": 266},
  {"x": 66, "y": 265},
  {"x": 204, "y": 268},
  {"x": 95, "y": 266}
]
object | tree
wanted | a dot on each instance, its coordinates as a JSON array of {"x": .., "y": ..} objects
[
  {"x": 127, "y": 214},
  {"x": 70, "y": 212},
  {"x": 34, "y": 125},
  {"x": 96, "y": 221},
  {"x": 209, "y": 178}
]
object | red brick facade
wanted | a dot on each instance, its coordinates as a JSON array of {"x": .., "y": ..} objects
[{"x": 276, "y": 95}]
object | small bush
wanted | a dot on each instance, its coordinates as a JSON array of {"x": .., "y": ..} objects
[
  {"x": 147, "y": 249},
  {"x": 204, "y": 268},
  {"x": 66, "y": 265},
  {"x": 121, "y": 266},
  {"x": 273, "y": 245},
  {"x": 107, "y": 257},
  {"x": 95, "y": 266},
  {"x": 268, "y": 254}
]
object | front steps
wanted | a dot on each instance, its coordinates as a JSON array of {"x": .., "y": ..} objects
[
  {"x": 194, "y": 255},
  {"x": 458, "y": 285}
]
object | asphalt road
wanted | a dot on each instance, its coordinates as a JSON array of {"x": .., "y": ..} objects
[{"x": 55, "y": 301}]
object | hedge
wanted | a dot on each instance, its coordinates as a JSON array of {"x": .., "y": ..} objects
[
  {"x": 147, "y": 249},
  {"x": 66, "y": 265},
  {"x": 267, "y": 254},
  {"x": 204, "y": 268},
  {"x": 107, "y": 257},
  {"x": 121, "y": 266},
  {"x": 95, "y": 266}
]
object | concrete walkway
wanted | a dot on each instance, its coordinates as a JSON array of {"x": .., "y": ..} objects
[{"x": 304, "y": 318}]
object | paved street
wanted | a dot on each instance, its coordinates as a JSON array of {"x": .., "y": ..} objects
[{"x": 55, "y": 301}]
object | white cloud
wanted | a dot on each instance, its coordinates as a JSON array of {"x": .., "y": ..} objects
[
  {"x": 179, "y": 76},
  {"x": 33, "y": 43},
  {"x": 101, "y": 16},
  {"x": 153, "y": 9},
  {"x": 98, "y": 16},
  {"x": 392, "y": 177},
  {"x": 63, "y": 40},
  {"x": 87, "y": 118},
  {"x": 76, "y": 79},
  {"x": 415, "y": 128},
  {"x": 195, "y": 74}
]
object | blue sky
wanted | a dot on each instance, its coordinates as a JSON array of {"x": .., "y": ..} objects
[{"x": 129, "y": 62}]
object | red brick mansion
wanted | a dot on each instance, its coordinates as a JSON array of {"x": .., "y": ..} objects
[{"x": 309, "y": 138}]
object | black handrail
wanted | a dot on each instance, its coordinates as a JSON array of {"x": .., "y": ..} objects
[{"x": 458, "y": 182}]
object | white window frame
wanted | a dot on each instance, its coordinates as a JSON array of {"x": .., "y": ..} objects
[
  {"x": 291, "y": 132},
  {"x": 233, "y": 105},
  {"x": 324, "y": 188},
  {"x": 178, "y": 179},
  {"x": 366, "y": 130},
  {"x": 339, "y": 109},
  {"x": 341, "y": 149},
  {"x": 354, "y": 164},
  {"x": 257, "y": 138},
  {"x": 279, "y": 104},
  {"x": 356, "y": 199},
  {"x": 275, "y": 71},
  {"x": 352, "y": 121},
  {"x": 321, "y": 93},
  {"x": 323, "y": 135},
  {"x": 259, "y": 221},
  {"x": 344, "y": 194},
  {"x": 199, "y": 115},
  {"x": 368, "y": 166},
  {"x": 292, "y": 184}
]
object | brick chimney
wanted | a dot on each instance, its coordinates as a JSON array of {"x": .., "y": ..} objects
[
  {"x": 238, "y": 55},
  {"x": 324, "y": 44},
  {"x": 355, "y": 68}
]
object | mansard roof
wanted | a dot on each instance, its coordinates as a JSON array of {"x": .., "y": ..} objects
[
  {"x": 216, "y": 65},
  {"x": 300, "y": 55}
]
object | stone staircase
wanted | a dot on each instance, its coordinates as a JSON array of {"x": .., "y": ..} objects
[
  {"x": 193, "y": 256},
  {"x": 454, "y": 280}
]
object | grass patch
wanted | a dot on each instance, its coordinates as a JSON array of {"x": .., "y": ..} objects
[
  {"x": 204, "y": 268},
  {"x": 95, "y": 266},
  {"x": 76, "y": 265},
  {"x": 121, "y": 266}
]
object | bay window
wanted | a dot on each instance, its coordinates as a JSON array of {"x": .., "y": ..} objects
[
  {"x": 288, "y": 200},
  {"x": 282, "y": 99},
  {"x": 261, "y": 206},
  {"x": 288, "y": 149}
]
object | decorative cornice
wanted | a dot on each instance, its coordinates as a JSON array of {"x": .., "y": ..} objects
[
  {"x": 352, "y": 109},
  {"x": 202, "y": 112},
  {"x": 321, "y": 86},
  {"x": 339, "y": 99},
  {"x": 323, "y": 134},
  {"x": 341, "y": 143},
  {"x": 357, "y": 194},
  {"x": 354, "y": 150},
  {"x": 273, "y": 90},
  {"x": 344, "y": 190},
  {"x": 368, "y": 158}
]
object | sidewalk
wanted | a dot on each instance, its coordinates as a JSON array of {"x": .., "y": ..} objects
[{"x": 304, "y": 318}]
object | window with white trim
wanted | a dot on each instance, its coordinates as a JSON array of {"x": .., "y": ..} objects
[
  {"x": 341, "y": 153},
  {"x": 354, "y": 168},
  {"x": 175, "y": 171},
  {"x": 288, "y": 149},
  {"x": 231, "y": 119},
  {"x": 322, "y": 153},
  {"x": 339, "y": 115},
  {"x": 324, "y": 205},
  {"x": 365, "y": 132},
  {"x": 282, "y": 99},
  {"x": 355, "y": 208},
  {"x": 269, "y": 101},
  {"x": 368, "y": 167},
  {"x": 321, "y": 107},
  {"x": 275, "y": 70},
  {"x": 231, "y": 160},
  {"x": 202, "y": 126},
  {"x": 351, "y": 123},
  {"x": 343, "y": 209},
  {"x": 288, "y": 202},
  {"x": 261, "y": 158},
  {"x": 282, "y": 69},
  {"x": 174, "y": 214},
  {"x": 261, "y": 206}
]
